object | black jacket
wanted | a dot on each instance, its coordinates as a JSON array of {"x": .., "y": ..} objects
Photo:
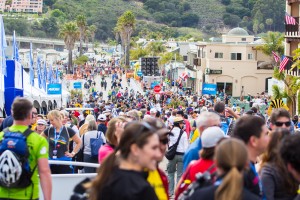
[
  {"x": 127, "y": 185},
  {"x": 208, "y": 193}
]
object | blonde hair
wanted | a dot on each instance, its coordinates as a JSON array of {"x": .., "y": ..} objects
[
  {"x": 111, "y": 129},
  {"x": 231, "y": 156},
  {"x": 55, "y": 114},
  {"x": 89, "y": 118}
]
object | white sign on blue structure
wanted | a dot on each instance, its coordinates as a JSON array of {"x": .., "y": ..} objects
[
  {"x": 54, "y": 89},
  {"x": 209, "y": 89}
]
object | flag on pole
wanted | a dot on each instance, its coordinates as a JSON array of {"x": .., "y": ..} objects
[
  {"x": 39, "y": 72},
  {"x": 31, "y": 69},
  {"x": 45, "y": 76},
  {"x": 3, "y": 46},
  {"x": 283, "y": 64},
  {"x": 276, "y": 57},
  {"x": 15, "y": 55},
  {"x": 184, "y": 76},
  {"x": 289, "y": 19},
  {"x": 56, "y": 75},
  {"x": 50, "y": 75}
]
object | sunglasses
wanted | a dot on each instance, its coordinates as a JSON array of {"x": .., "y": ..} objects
[{"x": 281, "y": 123}]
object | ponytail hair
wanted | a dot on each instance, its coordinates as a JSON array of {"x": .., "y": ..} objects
[
  {"x": 231, "y": 156},
  {"x": 134, "y": 133},
  {"x": 104, "y": 172},
  {"x": 231, "y": 186}
]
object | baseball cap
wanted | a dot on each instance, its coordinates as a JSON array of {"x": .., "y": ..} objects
[
  {"x": 41, "y": 121},
  {"x": 153, "y": 110},
  {"x": 211, "y": 136},
  {"x": 102, "y": 117}
]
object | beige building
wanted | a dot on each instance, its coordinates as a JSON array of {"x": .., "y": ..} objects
[
  {"x": 234, "y": 64},
  {"x": 28, "y": 6}
]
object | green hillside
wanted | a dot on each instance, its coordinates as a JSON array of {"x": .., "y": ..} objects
[{"x": 156, "y": 18}]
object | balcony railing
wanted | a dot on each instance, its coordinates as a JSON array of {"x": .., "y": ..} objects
[
  {"x": 292, "y": 1},
  {"x": 293, "y": 31},
  {"x": 295, "y": 71}
]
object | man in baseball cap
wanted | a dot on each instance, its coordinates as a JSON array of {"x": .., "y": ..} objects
[{"x": 101, "y": 126}]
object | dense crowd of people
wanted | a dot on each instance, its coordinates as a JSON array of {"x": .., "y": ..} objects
[{"x": 213, "y": 149}]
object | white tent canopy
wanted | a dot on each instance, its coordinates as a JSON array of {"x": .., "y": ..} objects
[{"x": 34, "y": 93}]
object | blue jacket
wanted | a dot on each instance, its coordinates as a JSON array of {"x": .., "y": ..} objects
[{"x": 192, "y": 153}]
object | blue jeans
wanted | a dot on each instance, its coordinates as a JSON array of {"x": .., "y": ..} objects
[{"x": 177, "y": 162}]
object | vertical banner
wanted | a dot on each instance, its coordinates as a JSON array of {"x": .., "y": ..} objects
[
  {"x": 18, "y": 75},
  {"x": 209, "y": 88}
]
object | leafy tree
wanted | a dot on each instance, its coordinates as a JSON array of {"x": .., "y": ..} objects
[
  {"x": 125, "y": 27},
  {"x": 190, "y": 20},
  {"x": 81, "y": 60},
  {"x": 92, "y": 30},
  {"x": 21, "y": 26},
  {"x": 70, "y": 33},
  {"x": 137, "y": 53},
  {"x": 269, "y": 22},
  {"x": 81, "y": 23},
  {"x": 292, "y": 86},
  {"x": 273, "y": 42},
  {"x": 50, "y": 27},
  {"x": 156, "y": 48}
]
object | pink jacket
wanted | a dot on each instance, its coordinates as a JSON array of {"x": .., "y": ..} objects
[{"x": 104, "y": 151}]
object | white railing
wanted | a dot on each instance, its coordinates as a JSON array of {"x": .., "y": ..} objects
[{"x": 63, "y": 184}]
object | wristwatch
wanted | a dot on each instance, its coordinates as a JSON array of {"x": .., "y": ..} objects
[{"x": 73, "y": 153}]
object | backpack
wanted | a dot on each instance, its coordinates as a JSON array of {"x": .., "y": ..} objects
[
  {"x": 96, "y": 143},
  {"x": 15, "y": 170},
  {"x": 225, "y": 122}
]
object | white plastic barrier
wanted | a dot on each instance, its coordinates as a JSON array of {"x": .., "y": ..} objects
[{"x": 63, "y": 184}]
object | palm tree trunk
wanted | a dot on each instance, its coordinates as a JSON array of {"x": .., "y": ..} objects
[
  {"x": 70, "y": 61},
  {"x": 80, "y": 46},
  {"x": 127, "y": 55}
]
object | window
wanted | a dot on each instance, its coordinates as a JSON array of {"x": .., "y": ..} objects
[
  {"x": 236, "y": 56},
  {"x": 218, "y": 55},
  {"x": 243, "y": 39},
  {"x": 250, "y": 56},
  {"x": 185, "y": 58}
]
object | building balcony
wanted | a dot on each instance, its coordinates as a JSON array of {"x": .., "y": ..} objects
[
  {"x": 292, "y": 1},
  {"x": 292, "y": 32}
]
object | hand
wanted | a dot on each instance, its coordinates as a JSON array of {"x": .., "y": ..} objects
[
  {"x": 119, "y": 129},
  {"x": 69, "y": 154}
]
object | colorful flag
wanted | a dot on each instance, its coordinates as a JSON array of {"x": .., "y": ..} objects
[
  {"x": 276, "y": 57},
  {"x": 39, "y": 72},
  {"x": 283, "y": 64},
  {"x": 56, "y": 75},
  {"x": 289, "y": 19},
  {"x": 3, "y": 46},
  {"x": 50, "y": 75},
  {"x": 31, "y": 69},
  {"x": 184, "y": 76},
  {"x": 15, "y": 55},
  {"x": 45, "y": 76}
]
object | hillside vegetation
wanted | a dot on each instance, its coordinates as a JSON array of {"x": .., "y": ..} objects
[{"x": 157, "y": 18}]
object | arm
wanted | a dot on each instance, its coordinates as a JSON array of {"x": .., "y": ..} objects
[
  {"x": 232, "y": 113},
  {"x": 45, "y": 178},
  {"x": 78, "y": 142}
]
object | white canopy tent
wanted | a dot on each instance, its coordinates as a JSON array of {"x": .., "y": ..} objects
[{"x": 40, "y": 97}]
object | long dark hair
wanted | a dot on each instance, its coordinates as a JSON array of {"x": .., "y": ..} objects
[
  {"x": 134, "y": 133},
  {"x": 273, "y": 157}
]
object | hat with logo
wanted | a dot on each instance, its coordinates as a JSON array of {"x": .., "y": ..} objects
[
  {"x": 41, "y": 121},
  {"x": 211, "y": 136},
  {"x": 102, "y": 117}
]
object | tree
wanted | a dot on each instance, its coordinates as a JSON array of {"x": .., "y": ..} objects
[
  {"x": 87, "y": 35},
  {"x": 273, "y": 42},
  {"x": 92, "y": 30},
  {"x": 292, "y": 86},
  {"x": 70, "y": 33},
  {"x": 156, "y": 48},
  {"x": 269, "y": 22},
  {"x": 125, "y": 27},
  {"x": 81, "y": 23}
]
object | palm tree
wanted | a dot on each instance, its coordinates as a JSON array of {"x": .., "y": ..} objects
[
  {"x": 70, "y": 33},
  {"x": 156, "y": 48},
  {"x": 125, "y": 27},
  {"x": 87, "y": 35},
  {"x": 81, "y": 23},
  {"x": 292, "y": 86},
  {"x": 92, "y": 30}
]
